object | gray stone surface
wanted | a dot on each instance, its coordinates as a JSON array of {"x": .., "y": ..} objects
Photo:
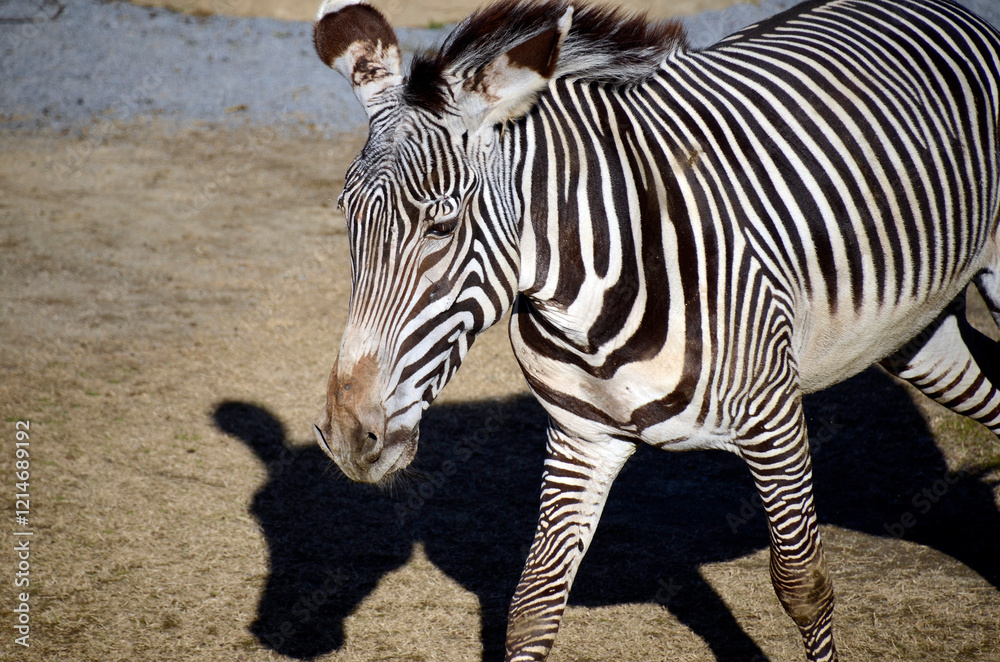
[{"x": 70, "y": 63}]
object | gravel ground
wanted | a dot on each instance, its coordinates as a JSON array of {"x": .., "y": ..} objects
[{"x": 67, "y": 64}]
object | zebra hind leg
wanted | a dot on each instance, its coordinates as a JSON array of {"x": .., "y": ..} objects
[
  {"x": 954, "y": 364},
  {"x": 778, "y": 457}
]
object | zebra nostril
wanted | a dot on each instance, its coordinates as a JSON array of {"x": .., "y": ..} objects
[{"x": 372, "y": 449}]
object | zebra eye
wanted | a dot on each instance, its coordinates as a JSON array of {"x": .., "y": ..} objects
[{"x": 443, "y": 215}]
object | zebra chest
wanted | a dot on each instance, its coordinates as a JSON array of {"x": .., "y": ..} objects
[{"x": 655, "y": 397}]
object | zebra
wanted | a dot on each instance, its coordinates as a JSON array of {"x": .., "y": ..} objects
[{"x": 687, "y": 242}]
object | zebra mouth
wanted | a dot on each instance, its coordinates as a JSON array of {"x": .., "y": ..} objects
[
  {"x": 396, "y": 453},
  {"x": 403, "y": 450},
  {"x": 321, "y": 440}
]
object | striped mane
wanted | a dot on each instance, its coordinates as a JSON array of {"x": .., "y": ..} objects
[{"x": 604, "y": 45}]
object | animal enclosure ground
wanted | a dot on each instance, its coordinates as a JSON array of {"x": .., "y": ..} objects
[{"x": 172, "y": 301}]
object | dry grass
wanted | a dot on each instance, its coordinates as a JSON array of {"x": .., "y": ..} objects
[{"x": 171, "y": 305}]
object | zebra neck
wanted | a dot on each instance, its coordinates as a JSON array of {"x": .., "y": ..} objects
[{"x": 599, "y": 254}]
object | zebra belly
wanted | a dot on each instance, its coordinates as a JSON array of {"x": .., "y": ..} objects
[{"x": 832, "y": 348}]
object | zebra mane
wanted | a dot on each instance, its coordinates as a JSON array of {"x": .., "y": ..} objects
[{"x": 604, "y": 44}]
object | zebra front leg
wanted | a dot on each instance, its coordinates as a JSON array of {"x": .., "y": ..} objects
[
  {"x": 576, "y": 481},
  {"x": 778, "y": 457}
]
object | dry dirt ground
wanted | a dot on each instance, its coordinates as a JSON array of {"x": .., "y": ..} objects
[{"x": 171, "y": 300}]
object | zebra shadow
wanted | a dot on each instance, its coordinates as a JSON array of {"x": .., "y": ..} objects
[{"x": 472, "y": 505}]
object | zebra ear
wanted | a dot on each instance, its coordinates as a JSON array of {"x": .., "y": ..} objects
[
  {"x": 352, "y": 37},
  {"x": 508, "y": 87}
]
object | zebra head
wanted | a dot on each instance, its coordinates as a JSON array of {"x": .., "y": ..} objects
[{"x": 432, "y": 223}]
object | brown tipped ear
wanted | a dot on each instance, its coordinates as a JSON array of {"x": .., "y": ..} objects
[
  {"x": 508, "y": 87},
  {"x": 356, "y": 40}
]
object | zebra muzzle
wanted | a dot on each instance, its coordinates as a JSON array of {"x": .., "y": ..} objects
[
  {"x": 364, "y": 456},
  {"x": 354, "y": 429},
  {"x": 356, "y": 446}
]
